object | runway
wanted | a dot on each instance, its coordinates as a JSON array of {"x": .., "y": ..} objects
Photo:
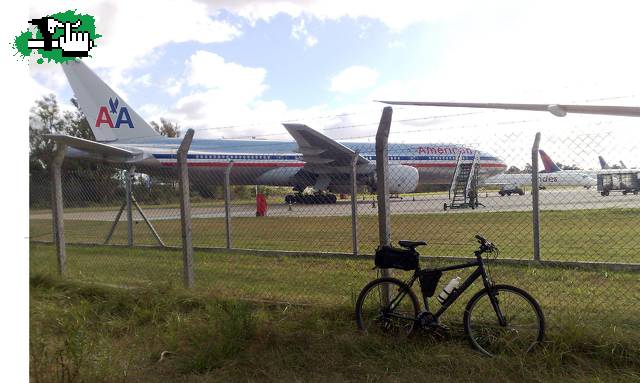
[{"x": 560, "y": 199}]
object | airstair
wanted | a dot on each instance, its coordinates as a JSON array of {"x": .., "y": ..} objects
[{"x": 463, "y": 192}]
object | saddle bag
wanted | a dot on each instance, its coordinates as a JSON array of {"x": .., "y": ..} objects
[
  {"x": 388, "y": 257},
  {"x": 429, "y": 281}
]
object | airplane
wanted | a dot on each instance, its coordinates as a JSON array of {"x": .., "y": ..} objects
[
  {"x": 558, "y": 110},
  {"x": 585, "y": 178},
  {"x": 311, "y": 160},
  {"x": 605, "y": 166},
  {"x": 552, "y": 175}
]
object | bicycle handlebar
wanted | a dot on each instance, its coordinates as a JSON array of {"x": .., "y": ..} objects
[
  {"x": 485, "y": 245},
  {"x": 481, "y": 239}
]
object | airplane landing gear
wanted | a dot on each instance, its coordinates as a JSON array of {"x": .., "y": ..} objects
[{"x": 308, "y": 199}]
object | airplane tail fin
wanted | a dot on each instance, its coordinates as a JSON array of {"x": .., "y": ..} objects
[
  {"x": 603, "y": 163},
  {"x": 108, "y": 115},
  {"x": 623, "y": 166},
  {"x": 549, "y": 165}
]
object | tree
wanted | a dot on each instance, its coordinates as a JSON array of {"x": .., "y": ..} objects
[
  {"x": 166, "y": 128},
  {"x": 527, "y": 169},
  {"x": 513, "y": 170},
  {"x": 85, "y": 180},
  {"x": 45, "y": 118}
]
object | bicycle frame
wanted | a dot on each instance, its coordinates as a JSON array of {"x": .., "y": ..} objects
[{"x": 480, "y": 271}]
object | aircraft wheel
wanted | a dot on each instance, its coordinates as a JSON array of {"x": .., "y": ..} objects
[{"x": 445, "y": 206}]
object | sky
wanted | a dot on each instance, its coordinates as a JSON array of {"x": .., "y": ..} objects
[{"x": 238, "y": 69}]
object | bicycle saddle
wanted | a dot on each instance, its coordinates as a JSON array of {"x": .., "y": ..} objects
[{"x": 411, "y": 244}]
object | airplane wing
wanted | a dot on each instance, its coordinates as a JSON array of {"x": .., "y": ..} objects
[
  {"x": 92, "y": 146},
  {"x": 555, "y": 109},
  {"x": 319, "y": 150}
]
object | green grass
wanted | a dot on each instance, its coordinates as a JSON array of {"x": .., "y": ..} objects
[
  {"x": 84, "y": 332},
  {"x": 606, "y": 235},
  {"x": 591, "y": 299}
]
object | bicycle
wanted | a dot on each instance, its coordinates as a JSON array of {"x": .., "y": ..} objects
[{"x": 497, "y": 319}]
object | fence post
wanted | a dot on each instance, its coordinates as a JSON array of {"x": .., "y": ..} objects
[
  {"x": 58, "y": 208},
  {"x": 128, "y": 190},
  {"x": 354, "y": 203},
  {"x": 535, "y": 196},
  {"x": 185, "y": 211},
  {"x": 382, "y": 171},
  {"x": 227, "y": 202}
]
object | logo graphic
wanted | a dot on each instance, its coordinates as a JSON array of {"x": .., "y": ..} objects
[
  {"x": 60, "y": 37},
  {"x": 104, "y": 115}
]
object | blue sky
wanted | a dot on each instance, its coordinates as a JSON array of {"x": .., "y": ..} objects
[{"x": 250, "y": 64}]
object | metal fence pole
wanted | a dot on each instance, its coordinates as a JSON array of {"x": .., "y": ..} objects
[
  {"x": 227, "y": 203},
  {"x": 354, "y": 203},
  {"x": 58, "y": 208},
  {"x": 185, "y": 211},
  {"x": 382, "y": 171},
  {"x": 128, "y": 190},
  {"x": 535, "y": 197}
]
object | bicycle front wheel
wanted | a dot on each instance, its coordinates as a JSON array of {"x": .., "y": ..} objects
[
  {"x": 387, "y": 306},
  {"x": 503, "y": 320}
]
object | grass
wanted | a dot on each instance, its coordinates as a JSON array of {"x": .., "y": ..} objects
[
  {"x": 592, "y": 299},
  {"x": 86, "y": 332},
  {"x": 605, "y": 235}
]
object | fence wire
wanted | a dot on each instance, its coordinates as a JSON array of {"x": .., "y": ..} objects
[{"x": 441, "y": 193}]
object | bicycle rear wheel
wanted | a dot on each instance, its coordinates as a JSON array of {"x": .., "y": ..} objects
[
  {"x": 379, "y": 313},
  {"x": 520, "y": 331}
]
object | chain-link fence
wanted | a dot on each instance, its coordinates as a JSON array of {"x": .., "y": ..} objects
[{"x": 579, "y": 257}]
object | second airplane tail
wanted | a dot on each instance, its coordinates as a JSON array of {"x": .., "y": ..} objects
[
  {"x": 108, "y": 115},
  {"x": 549, "y": 165},
  {"x": 603, "y": 163}
]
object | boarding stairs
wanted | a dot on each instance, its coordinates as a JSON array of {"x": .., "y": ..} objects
[{"x": 464, "y": 184}]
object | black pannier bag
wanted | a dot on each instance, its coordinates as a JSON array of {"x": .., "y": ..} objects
[
  {"x": 429, "y": 281},
  {"x": 388, "y": 257}
]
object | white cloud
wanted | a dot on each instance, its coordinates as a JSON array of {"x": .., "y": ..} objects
[
  {"x": 230, "y": 80},
  {"x": 396, "y": 44},
  {"x": 144, "y": 80},
  {"x": 396, "y": 15},
  {"x": 311, "y": 41},
  {"x": 151, "y": 112},
  {"x": 133, "y": 32},
  {"x": 173, "y": 86},
  {"x": 354, "y": 78},
  {"x": 299, "y": 32}
]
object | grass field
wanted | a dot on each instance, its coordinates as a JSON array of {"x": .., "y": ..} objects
[
  {"x": 600, "y": 300},
  {"x": 84, "y": 332},
  {"x": 606, "y": 235}
]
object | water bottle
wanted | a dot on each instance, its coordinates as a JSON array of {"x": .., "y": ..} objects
[{"x": 448, "y": 289}]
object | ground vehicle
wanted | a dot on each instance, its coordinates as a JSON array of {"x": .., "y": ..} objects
[
  {"x": 616, "y": 180},
  {"x": 510, "y": 189},
  {"x": 497, "y": 319}
]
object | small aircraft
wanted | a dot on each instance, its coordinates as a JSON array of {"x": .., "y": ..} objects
[{"x": 313, "y": 160}]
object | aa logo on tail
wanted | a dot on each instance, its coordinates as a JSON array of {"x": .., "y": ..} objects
[{"x": 104, "y": 115}]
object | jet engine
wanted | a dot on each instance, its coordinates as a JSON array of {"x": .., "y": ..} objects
[{"x": 403, "y": 179}]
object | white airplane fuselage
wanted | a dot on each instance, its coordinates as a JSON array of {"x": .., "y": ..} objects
[
  {"x": 277, "y": 162},
  {"x": 561, "y": 178}
]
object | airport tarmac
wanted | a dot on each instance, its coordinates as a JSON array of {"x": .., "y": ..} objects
[{"x": 560, "y": 199}]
